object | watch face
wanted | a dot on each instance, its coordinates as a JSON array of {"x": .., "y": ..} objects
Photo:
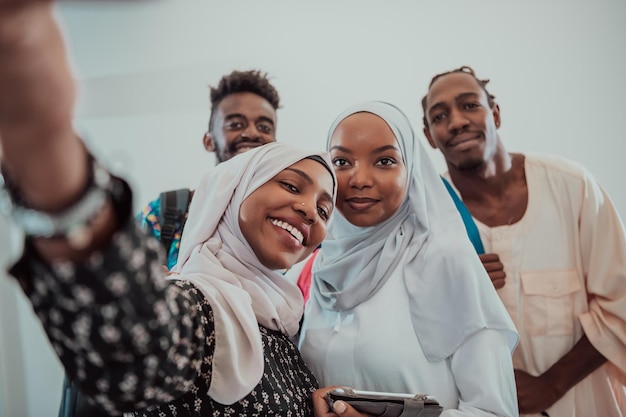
[{"x": 73, "y": 222}]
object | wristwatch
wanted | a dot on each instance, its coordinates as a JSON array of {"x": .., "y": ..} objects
[{"x": 71, "y": 223}]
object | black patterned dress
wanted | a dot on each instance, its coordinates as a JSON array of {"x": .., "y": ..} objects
[{"x": 135, "y": 341}]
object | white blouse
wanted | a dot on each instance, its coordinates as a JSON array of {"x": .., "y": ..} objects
[{"x": 374, "y": 347}]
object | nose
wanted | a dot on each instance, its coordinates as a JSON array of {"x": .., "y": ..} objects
[
  {"x": 306, "y": 210},
  {"x": 251, "y": 132},
  {"x": 360, "y": 177},
  {"x": 458, "y": 121}
]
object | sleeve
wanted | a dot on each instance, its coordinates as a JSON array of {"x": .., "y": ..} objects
[
  {"x": 603, "y": 251},
  {"x": 148, "y": 218},
  {"x": 483, "y": 372},
  {"x": 129, "y": 337}
]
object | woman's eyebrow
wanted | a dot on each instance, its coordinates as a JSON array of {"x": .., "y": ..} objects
[
  {"x": 340, "y": 148},
  {"x": 301, "y": 173},
  {"x": 377, "y": 150},
  {"x": 308, "y": 179},
  {"x": 386, "y": 148}
]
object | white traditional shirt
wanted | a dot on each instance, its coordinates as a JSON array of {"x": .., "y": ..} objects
[
  {"x": 374, "y": 347},
  {"x": 565, "y": 265}
]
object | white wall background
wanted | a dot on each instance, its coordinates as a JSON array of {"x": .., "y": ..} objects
[{"x": 145, "y": 67}]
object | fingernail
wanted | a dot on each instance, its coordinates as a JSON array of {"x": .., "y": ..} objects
[{"x": 339, "y": 407}]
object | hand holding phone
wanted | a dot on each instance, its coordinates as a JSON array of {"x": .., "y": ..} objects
[{"x": 386, "y": 404}]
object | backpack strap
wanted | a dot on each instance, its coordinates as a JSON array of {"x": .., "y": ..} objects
[
  {"x": 173, "y": 214},
  {"x": 468, "y": 221}
]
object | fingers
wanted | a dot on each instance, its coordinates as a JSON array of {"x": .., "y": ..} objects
[
  {"x": 497, "y": 282},
  {"x": 321, "y": 407},
  {"x": 344, "y": 409},
  {"x": 491, "y": 261},
  {"x": 495, "y": 269}
]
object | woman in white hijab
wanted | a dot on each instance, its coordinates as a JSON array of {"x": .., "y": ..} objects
[
  {"x": 214, "y": 339},
  {"x": 399, "y": 300}
]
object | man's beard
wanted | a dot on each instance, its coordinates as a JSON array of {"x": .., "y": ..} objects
[
  {"x": 231, "y": 150},
  {"x": 471, "y": 165}
]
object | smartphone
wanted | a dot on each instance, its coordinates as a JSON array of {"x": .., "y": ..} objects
[
  {"x": 381, "y": 394},
  {"x": 384, "y": 403}
]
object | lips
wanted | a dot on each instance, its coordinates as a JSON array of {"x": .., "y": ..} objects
[
  {"x": 299, "y": 234},
  {"x": 246, "y": 146},
  {"x": 361, "y": 203},
  {"x": 460, "y": 140}
]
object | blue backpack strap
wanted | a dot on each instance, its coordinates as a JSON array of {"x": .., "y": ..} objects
[{"x": 470, "y": 226}]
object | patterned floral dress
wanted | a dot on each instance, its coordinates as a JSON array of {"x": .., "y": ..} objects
[{"x": 135, "y": 341}]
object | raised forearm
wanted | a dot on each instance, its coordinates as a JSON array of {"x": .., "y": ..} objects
[
  {"x": 41, "y": 155},
  {"x": 42, "y": 158}
]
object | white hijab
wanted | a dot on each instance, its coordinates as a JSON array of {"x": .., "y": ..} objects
[
  {"x": 451, "y": 294},
  {"x": 217, "y": 259}
]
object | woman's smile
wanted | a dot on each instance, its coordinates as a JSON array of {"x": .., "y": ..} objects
[{"x": 361, "y": 203}]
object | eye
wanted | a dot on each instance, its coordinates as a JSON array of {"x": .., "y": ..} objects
[
  {"x": 289, "y": 186},
  {"x": 233, "y": 125},
  {"x": 472, "y": 105},
  {"x": 323, "y": 213},
  {"x": 437, "y": 118},
  {"x": 264, "y": 128},
  {"x": 385, "y": 161},
  {"x": 340, "y": 162}
]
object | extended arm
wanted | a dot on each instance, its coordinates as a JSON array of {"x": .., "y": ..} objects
[
  {"x": 126, "y": 335},
  {"x": 43, "y": 158}
]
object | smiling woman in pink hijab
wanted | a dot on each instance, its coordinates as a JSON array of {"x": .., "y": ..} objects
[{"x": 213, "y": 339}]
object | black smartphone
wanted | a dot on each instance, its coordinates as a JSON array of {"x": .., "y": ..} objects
[{"x": 388, "y": 404}]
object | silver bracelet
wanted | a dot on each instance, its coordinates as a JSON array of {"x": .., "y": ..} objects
[{"x": 71, "y": 223}]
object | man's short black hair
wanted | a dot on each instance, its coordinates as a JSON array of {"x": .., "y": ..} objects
[
  {"x": 465, "y": 70},
  {"x": 253, "y": 81}
]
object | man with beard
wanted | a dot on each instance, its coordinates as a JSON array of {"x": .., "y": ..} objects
[
  {"x": 243, "y": 116},
  {"x": 555, "y": 253}
]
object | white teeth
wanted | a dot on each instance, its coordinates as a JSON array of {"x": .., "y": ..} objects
[{"x": 294, "y": 232}]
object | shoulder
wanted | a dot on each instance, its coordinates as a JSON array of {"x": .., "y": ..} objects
[
  {"x": 444, "y": 248},
  {"x": 556, "y": 165},
  {"x": 561, "y": 172}
]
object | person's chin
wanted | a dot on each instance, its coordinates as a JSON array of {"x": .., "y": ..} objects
[
  {"x": 470, "y": 165},
  {"x": 282, "y": 261},
  {"x": 362, "y": 219}
]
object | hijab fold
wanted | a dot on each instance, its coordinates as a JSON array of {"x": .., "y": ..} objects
[
  {"x": 451, "y": 295},
  {"x": 242, "y": 292}
]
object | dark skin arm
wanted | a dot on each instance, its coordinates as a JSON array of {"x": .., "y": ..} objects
[
  {"x": 36, "y": 105},
  {"x": 535, "y": 394}
]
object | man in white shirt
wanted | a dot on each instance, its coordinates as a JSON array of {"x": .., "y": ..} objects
[{"x": 556, "y": 253}]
